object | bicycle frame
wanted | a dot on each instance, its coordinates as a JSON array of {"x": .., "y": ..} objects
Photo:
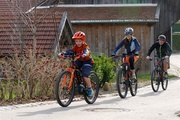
[
  {"x": 123, "y": 80},
  {"x": 71, "y": 69},
  {"x": 158, "y": 64},
  {"x": 125, "y": 66}
]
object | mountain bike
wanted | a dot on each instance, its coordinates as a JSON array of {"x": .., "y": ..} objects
[
  {"x": 123, "y": 80},
  {"x": 158, "y": 75},
  {"x": 71, "y": 82}
]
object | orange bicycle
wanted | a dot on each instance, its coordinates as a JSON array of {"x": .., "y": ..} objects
[
  {"x": 70, "y": 82},
  {"x": 123, "y": 80}
]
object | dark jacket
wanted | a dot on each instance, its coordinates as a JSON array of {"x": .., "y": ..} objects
[{"x": 161, "y": 50}]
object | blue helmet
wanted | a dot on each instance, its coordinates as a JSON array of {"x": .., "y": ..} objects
[
  {"x": 162, "y": 37},
  {"x": 129, "y": 31}
]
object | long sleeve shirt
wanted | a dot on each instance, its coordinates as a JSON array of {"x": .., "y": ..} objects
[
  {"x": 132, "y": 47},
  {"x": 84, "y": 49},
  {"x": 161, "y": 50}
]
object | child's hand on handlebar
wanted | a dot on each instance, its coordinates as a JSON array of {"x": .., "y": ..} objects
[
  {"x": 83, "y": 55},
  {"x": 61, "y": 54}
]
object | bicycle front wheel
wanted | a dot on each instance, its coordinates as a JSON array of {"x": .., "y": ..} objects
[
  {"x": 155, "y": 80},
  {"x": 64, "y": 90},
  {"x": 122, "y": 84},
  {"x": 164, "y": 82},
  {"x": 95, "y": 86}
]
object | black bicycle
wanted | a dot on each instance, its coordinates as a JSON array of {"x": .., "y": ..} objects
[
  {"x": 123, "y": 80},
  {"x": 158, "y": 75},
  {"x": 71, "y": 82}
]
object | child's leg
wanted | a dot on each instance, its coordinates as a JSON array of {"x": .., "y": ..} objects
[
  {"x": 86, "y": 69},
  {"x": 132, "y": 61},
  {"x": 88, "y": 82}
]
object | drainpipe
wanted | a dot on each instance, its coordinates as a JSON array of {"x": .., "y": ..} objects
[{"x": 171, "y": 39}]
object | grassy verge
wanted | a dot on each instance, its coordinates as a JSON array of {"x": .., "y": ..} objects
[{"x": 145, "y": 78}]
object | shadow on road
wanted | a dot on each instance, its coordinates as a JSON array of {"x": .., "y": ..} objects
[
  {"x": 151, "y": 94},
  {"x": 70, "y": 107}
]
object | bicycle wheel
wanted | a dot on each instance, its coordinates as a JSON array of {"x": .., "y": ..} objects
[
  {"x": 155, "y": 80},
  {"x": 64, "y": 92},
  {"x": 164, "y": 82},
  {"x": 122, "y": 84},
  {"x": 133, "y": 86},
  {"x": 95, "y": 86}
]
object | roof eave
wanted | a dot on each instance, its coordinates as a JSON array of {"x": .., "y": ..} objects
[{"x": 112, "y": 21}]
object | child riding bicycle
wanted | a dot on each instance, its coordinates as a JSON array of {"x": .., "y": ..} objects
[
  {"x": 132, "y": 48},
  {"x": 84, "y": 59}
]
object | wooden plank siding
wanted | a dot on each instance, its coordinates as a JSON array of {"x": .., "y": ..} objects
[
  {"x": 170, "y": 12},
  {"x": 104, "y": 25},
  {"x": 105, "y": 37}
]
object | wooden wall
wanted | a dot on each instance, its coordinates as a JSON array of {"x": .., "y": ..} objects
[
  {"x": 169, "y": 12},
  {"x": 105, "y": 37}
]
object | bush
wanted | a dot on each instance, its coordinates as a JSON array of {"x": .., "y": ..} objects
[
  {"x": 104, "y": 67},
  {"x": 29, "y": 77}
]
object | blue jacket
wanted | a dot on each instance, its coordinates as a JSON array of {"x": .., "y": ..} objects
[{"x": 132, "y": 47}]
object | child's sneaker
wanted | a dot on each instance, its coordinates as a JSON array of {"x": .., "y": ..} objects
[{"x": 89, "y": 92}]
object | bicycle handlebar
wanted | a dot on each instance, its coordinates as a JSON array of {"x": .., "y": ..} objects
[
  {"x": 71, "y": 56},
  {"x": 122, "y": 55},
  {"x": 163, "y": 58}
]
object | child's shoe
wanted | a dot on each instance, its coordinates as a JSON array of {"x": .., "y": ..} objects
[{"x": 89, "y": 92}]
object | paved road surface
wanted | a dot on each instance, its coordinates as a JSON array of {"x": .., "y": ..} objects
[
  {"x": 147, "y": 105},
  {"x": 175, "y": 65}
]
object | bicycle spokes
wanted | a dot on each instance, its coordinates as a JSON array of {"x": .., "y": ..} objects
[
  {"x": 95, "y": 86},
  {"x": 122, "y": 84},
  {"x": 155, "y": 80},
  {"x": 165, "y": 81},
  {"x": 64, "y": 91}
]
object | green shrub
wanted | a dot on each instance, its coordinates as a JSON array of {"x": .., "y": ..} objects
[{"x": 104, "y": 67}]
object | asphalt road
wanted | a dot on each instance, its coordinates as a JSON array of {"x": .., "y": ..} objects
[{"x": 146, "y": 105}]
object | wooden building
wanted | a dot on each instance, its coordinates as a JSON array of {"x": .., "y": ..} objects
[{"x": 104, "y": 25}]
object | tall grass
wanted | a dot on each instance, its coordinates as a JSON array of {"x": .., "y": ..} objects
[{"x": 29, "y": 77}]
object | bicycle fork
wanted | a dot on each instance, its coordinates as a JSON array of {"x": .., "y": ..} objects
[{"x": 71, "y": 70}]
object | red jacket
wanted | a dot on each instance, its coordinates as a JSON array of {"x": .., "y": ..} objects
[{"x": 84, "y": 49}]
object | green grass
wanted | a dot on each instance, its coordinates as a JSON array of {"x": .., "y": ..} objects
[{"x": 146, "y": 78}]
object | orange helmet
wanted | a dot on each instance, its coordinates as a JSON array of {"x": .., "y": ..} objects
[{"x": 79, "y": 35}]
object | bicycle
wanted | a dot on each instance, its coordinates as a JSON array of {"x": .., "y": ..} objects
[
  {"x": 158, "y": 75},
  {"x": 70, "y": 81},
  {"x": 124, "y": 81}
]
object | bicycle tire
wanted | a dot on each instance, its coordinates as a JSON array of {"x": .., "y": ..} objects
[
  {"x": 134, "y": 86},
  {"x": 64, "y": 95},
  {"x": 164, "y": 82},
  {"x": 122, "y": 84},
  {"x": 95, "y": 86},
  {"x": 155, "y": 80}
]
